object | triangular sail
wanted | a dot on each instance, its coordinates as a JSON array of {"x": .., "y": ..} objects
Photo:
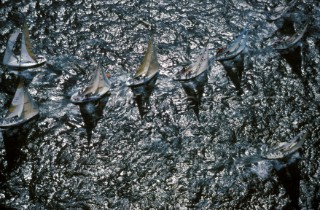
[
  {"x": 30, "y": 108},
  {"x": 202, "y": 62},
  {"x": 93, "y": 84},
  {"x": 238, "y": 42},
  {"x": 150, "y": 63},
  {"x": 26, "y": 53},
  {"x": 104, "y": 83},
  {"x": 9, "y": 55},
  {"x": 98, "y": 84},
  {"x": 16, "y": 106}
]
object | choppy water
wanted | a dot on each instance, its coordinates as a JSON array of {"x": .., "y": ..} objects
[{"x": 168, "y": 160}]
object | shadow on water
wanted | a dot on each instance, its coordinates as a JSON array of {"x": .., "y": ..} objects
[
  {"x": 194, "y": 89},
  {"x": 141, "y": 95},
  {"x": 234, "y": 69},
  {"x": 91, "y": 113},
  {"x": 288, "y": 172},
  {"x": 294, "y": 54},
  {"x": 15, "y": 138}
]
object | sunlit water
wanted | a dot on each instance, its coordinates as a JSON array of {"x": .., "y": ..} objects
[{"x": 168, "y": 159}]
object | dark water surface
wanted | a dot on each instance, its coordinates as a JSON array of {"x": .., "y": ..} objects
[{"x": 168, "y": 160}]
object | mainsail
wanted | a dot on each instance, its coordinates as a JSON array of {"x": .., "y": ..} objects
[
  {"x": 98, "y": 84},
  {"x": 30, "y": 108},
  {"x": 26, "y": 53},
  {"x": 150, "y": 65},
  {"x": 235, "y": 48},
  {"x": 9, "y": 56},
  {"x": 202, "y": 62},
  {"x": 22, "y": 104},
  {"x": 196, "y": 68}
]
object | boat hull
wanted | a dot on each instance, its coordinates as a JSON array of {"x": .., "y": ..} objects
[
  {"x": 8, "y": 123},
  {"x": 79, "y": 99},
  {"x": 135, "y": 83},
  {"x": 21, "y": 65},
  {"x": 201, "y": 78}
]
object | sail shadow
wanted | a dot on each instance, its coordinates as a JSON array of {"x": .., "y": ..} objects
[
  {"x": 194, "y": 90},
  {"x": 15, "y": 138},
  {"x": 293, "y": 57},
  {"x": 234, "y": 70},
  {"x": 289, "y": 176},
  {"x": 142, "y": 93},
  {"x": 91, "y": 113}
]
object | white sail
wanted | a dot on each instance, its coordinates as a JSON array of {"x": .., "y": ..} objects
[
  {"x": 30, "y": 108},
  {"x": 93, "y": 84},
  {"x": 16, "y": 106},
  {"x": 196, "y": 68},
  {"x": 150, "y": 63},
  {"x": 26, "y": 53},
  {"x": 9, "y": 56},
  {"x": 104, "y": 83},
  {"x": 202, "y": 62}
]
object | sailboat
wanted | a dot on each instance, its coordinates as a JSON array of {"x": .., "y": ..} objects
[
  {"x": 291, "y": 50},
  {"x": 143, "y": 82},
  {"x": 98, "y": 86},
  {"x": 22, "y": 108},
  {"x": 199, "y": 67},
  {"x": 232, "y": 59},
  {"x": 290, "y": 42},
  {"x": 18, "y": 54},
  {"x": 148, "y": 70},
  {"x": 287, "y": 148},
  {"x": 193, "y": 79},
  {"x": 234, "y": 49},
  {"x": 280, "y": 11}
]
